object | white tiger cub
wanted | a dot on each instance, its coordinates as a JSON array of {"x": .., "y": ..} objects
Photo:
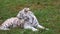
[
  {"x": 11, "y": 21},
  {"x": 30, "y": 20}
]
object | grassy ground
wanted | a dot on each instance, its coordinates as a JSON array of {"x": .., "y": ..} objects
[{"x": 46, "y": 11}]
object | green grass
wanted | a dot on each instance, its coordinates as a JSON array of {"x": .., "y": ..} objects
[{"x": 46, "y": 11}]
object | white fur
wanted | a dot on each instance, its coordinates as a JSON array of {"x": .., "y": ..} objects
[
  {"x": 32, "y": 19},
  {"x": 28, "y": 19},
  {"x": 11, "y": 21}
]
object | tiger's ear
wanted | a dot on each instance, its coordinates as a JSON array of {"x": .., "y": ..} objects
[{"x": 26, "y": 8}]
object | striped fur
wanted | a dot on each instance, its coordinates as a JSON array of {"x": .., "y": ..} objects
[
  {"x": 14, "y": 22},
  {"x": 30, "y": 19}
]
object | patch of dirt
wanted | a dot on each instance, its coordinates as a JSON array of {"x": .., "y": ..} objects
[{"x": 55, "y": 2}]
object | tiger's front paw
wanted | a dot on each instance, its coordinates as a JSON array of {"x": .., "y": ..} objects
[{"x": 35, "y": 29}]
